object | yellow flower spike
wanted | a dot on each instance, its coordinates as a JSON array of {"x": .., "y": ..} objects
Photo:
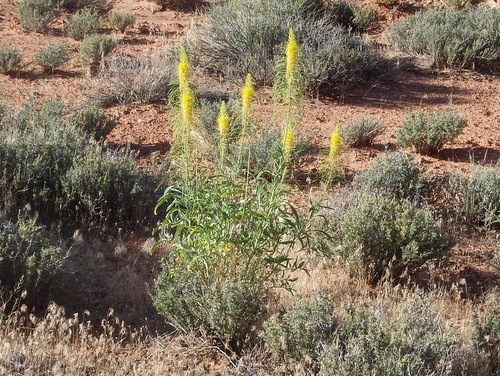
[
  {"x": 292, "y": 49},
  {"x": 247, "y": 96},
  {"x": 187, "y": 102},
  {"x": 183, "y": 68},
  {"x": 335, "y": 142},
  {"x": 288, "y": 142},
  {"x": 223, "y": 120}
]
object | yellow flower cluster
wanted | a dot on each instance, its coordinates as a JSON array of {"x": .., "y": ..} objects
[
  {"x": 335, "y": 142},
  {"x": 187, "y": 102},
  {"x": 292, "y": 49},
  {"x": 247, "y": 95},
  {"x": 288, "y": 141},
  {"x": 223, "y": 120},
  {"x": 183, "y": 69}
]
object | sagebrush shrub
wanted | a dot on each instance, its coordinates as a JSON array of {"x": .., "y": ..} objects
[
  {"x": 449, "y": 38},
  {"x": 98, "y": 6},
  {"x": 35, "y": 15},
  {"x": 488, "y": 343},
  {"x": 28, "y": 260},
  {"x": 362, "y": 132},
  {"x": 477, "y": 197},
  {"x": 122, "y": 21},
  {"x": 244, "y": 36},
  {"x": 352, "y": 17},
  {"x": 396, "y": 175},
  {"x": 53, "y": 56},
  {"x": 300, "y": 332},
  {"x": 96, "y": 47},
  {"x": 52, "y": 169},
  {"x": 412, "y": 341},
  {"x": 93, "y": 121},
  {"x": 82, "y": 24},
  {"x": 428, "y": 134},
  {"x": 370, "y": 232},
  {"x": 10, "y": 59}
]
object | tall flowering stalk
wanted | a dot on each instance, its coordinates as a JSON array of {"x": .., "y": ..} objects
[
  {"x": 247, "y": 94},
  {"x": 223, "y": 124},
  {"x": 332, "y": 169},
  {"x": 335, "y": 142},
  {"x": 292, "y": 50},
  {"x": 183, "y": 69}
]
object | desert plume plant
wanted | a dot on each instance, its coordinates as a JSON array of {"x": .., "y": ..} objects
[
  {"x": 331, "y": 169},
  {"x": 223, "y": 125}
]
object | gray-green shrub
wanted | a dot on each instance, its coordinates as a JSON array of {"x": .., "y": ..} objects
[
  {"x": 448, "y": 38},
  {"x": 412, "y": 341},
  {"x": 352, "y": 17},
  {"x": 428, "y": 134},
  {"x": 10, "y": 59},
  {"x": 488, "y": 343},
  {"x": 477, "y": 197},
  {"x": 53, "y": 56},
  {"x": 125, "y": 80},
  {"x": 243, "y": 36},
  {"x": 35, "y": 15},
  {"x": 28, "y": 260},
  {"x": 396, "y": 175},
  {"x": 300, "y": 332},
  {"x": 93, "y": 121},
  {"x": 52, "y": 169},
  {"x": 122, "y": 21},
  {"x": 96, "y": 47},
  {"x": 362, "y": 132},
  {"x": 370, "y": 232},
  {"x": 82, "y": 24}
]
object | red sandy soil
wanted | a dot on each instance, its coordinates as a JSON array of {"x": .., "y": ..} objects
[{"x": 475, "y": 96}]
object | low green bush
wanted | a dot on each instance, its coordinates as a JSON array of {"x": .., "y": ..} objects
[
  {"x": 82, "y": 24},
  {"x": 122, "y": 21},
  {"x": 96, "y": 47},
  {"x": 125, "y": 80},
  {"x": 428, "y": 134},
  {"x": 353, "y": 17},
  {"x": 300, "y": 332},
  {"x": 412, "y": 341},
  {"x": 35, "y": 15},
  {"x": 231, "y": 242},
  {"x": 362, "y": 132},
  {"x": 446, "y": 38},
  {"x": 28, "y": 261},
  {"x": 52, "y": 169},
  {"x": 395, "y": 175},
  {"x": 488, "y": 343},
  {"x": 93, "y": 121},
  {"x": 370, "y": 232},
  {"x": 97, "y": 6},
  {"x": 243, "y": 36},
  {"x": 10, "y": 59},
  {"x": 477, "y": 197},
  {"x": 53, "y": 56}
]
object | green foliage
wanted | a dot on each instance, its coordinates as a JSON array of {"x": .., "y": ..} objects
[
  {"x": 410, "y": 342},
  {"x": 10, "y": 59},
  {"x": 488, "y": 343},
  {"x": 122, "y": 21},
  {"x": 243, "y": 36},
  {"x": 362, "y": 132},
  {"x": 477, "y": 196},
  {"x": 51, "y": 168},
  {"x": 28, "y": 261},
  {"x": 371, "y": 232},
  {"x": 395, "y": 175},
  {"x": 96, "y": 47},
  {"x": 82, "y": 24},
  {"x": 428, "y": 134},
  {"x": 451, "y": 39},
  {"x": 227, "y": 236},
  {"x": 93, "y": 121},
  {"x": 53, "y": 56},
  {"x": 123, "y": 80},
  {"x": 35, "y": 15},
  {"x": 300, "y": 331},
  {"x": 97, "y": 6},
  {"x": 353, "y": 17}
]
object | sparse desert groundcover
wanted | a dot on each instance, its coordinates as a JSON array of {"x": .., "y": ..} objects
[{"x": 241, "y": 187}]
